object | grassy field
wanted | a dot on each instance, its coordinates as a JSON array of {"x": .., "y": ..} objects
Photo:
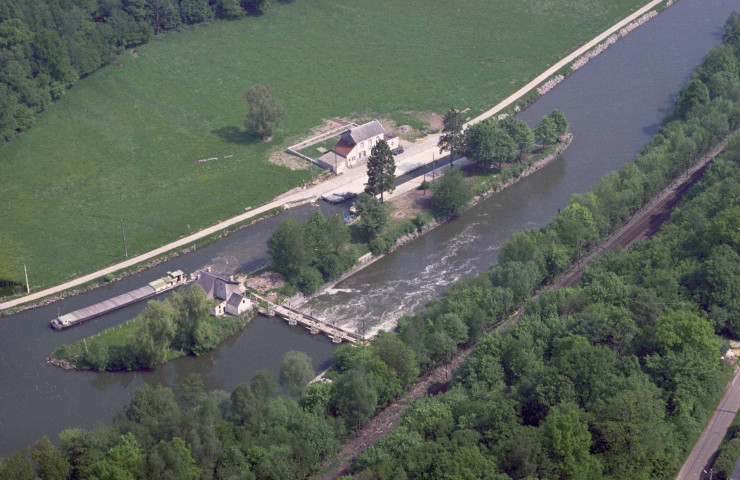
[{"x": 123, "y": 144}]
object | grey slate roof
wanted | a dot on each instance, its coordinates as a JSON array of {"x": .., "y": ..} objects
[
  {"x": 235, "y": 299},
  {"x": 363, "y": 132},
  {"x": 207, "y": 280}
]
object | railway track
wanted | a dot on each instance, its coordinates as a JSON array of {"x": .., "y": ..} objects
[
  {"x": 646, "y": 222},
  {"x": 643, "y": 225}
]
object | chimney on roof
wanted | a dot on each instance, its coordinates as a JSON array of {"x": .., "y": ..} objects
[
  {"x": 208, "y": 269},
  {"x": 231, "y": 277}
]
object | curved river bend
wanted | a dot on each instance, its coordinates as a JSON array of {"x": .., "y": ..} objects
[{"x": 614, "y": 104}]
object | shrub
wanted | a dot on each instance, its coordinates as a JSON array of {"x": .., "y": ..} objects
[
  {"x": 309, "y": 280},
  {"x": 380, "y": 245},
  {"x": 728, "y": 455},
  {"x": 451, "y": 193},
  {"x": 419, "y": 221}
]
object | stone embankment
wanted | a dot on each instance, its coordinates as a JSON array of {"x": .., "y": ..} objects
[{"x": 60, "y": 363}]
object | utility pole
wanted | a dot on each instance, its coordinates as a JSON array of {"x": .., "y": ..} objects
[
  {"x": 25, "y": 271},
  {"x": 123, "y": 234}
]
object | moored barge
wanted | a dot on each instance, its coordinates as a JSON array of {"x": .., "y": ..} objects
[{"x": 161, "y": 285}]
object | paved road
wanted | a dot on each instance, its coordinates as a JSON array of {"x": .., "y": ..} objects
[
  {"x": 352, "y": 180},
  {"x": 696, "y": 463}
]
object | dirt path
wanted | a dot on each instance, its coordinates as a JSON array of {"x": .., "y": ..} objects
[
  {"x": 641, "y": 226},
  {"x": 388, "y": 418}
]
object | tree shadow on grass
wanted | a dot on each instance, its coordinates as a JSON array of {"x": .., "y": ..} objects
[{"x": 234, "y": 134}]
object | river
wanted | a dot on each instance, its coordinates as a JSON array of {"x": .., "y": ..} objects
[{"x": 614, "y": 104}]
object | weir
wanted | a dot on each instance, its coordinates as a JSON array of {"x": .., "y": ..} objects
[{"x": 313, "y": 324}]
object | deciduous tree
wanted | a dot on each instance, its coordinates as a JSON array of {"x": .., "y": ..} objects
[
  {"x": 520, "y": 132},
  {"x": 50, "y": 463},
  {"x": 373, "y": 215},
  {"x": 286, "y": 247},
  {"x": 693, "y": 94},
  {"x": 172, "y": 460},
  {"x": 355, "y": 397},
  {"x": 265, "y": 113},
  {"x": 479, "y": 142},
  {"x": 546, "y": 131},
  {"x": 561, "y": 122},
  {"x": 451, "y": 193},
  {"x": 296, "y": 371},
  {"x": 575, "y": 225},
  {"x": 568, "y": 441}
]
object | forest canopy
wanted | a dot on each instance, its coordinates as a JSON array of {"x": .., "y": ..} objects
[{"x": 47, "y": 45}]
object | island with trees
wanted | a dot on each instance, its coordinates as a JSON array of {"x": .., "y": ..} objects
[{"x": 166, "y": 329}]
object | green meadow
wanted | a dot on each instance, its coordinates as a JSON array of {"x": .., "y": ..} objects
[{"x": 123, "y": 144}]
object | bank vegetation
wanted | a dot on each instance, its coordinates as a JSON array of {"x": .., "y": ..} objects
[
  {"x": 613, "y": 379},
  {"x": 167, "y": 329}
]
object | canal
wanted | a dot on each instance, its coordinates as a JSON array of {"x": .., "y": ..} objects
[{"x": 614, "y": 104}]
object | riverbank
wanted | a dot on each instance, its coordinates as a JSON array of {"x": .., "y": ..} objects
[
  {"x": 113, "y": 348},
  {"x": 509, "y": 101},
  {"x": 496, "y": 187},
  {"x": 138, "y": 268}
]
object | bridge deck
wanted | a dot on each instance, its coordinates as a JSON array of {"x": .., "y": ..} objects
[{"x": 313, "y": 324}]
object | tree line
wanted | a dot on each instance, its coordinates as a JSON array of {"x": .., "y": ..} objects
[
  {"x": 491, "y": 143},
  {"x": 614, "y": 378},
  {"x": 311, "y": 253},
  {"x": 47, "y": 45}
]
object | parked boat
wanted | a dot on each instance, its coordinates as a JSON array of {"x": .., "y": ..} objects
[
  {"x": 338, "y": 197},
  {"x": 161, "y": 285}
]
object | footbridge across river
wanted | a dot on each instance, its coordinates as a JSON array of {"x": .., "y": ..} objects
[{"x": 312, "y": 324}]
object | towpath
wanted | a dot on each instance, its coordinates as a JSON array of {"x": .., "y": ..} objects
[{"x": 353, "y": 180}]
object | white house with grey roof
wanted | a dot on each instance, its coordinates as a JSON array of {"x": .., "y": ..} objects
[
  {"x": 355, "y": 144},
  {"x": 225, "y": 290}
]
